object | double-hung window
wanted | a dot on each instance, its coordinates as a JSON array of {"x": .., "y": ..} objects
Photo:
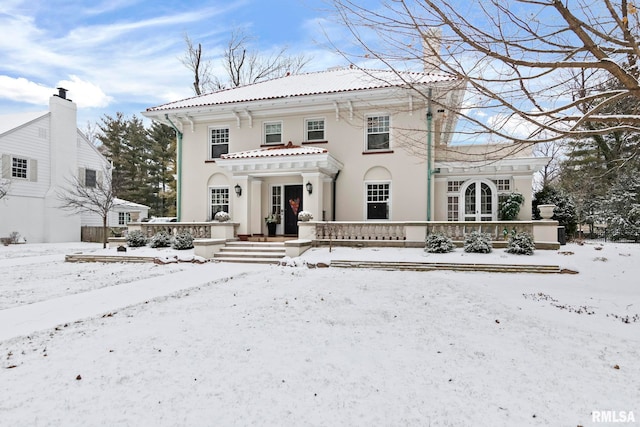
[
  {"x": 377, "y": 133},
  {"x": 314, "y": 129},
  {"x": 378, "y": 200},
  {"x": 218, "y": 142},
  {"x": 273, "y": 133},
  {"x": 219, "y": 197}
]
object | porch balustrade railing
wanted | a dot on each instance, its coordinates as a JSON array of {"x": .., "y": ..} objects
[
  {"x": 341, "y": 230},
  {"x": 199, "y": 230}
]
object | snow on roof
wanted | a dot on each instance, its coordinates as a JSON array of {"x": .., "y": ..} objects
[
  {"x": 125, "y": 203},
  {"x": 280, "y": 150},
  {"x": 12, "y": 121},
  {"x": 323, "y": 82}
]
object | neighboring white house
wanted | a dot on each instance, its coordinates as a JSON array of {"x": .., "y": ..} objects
[
  {"x": 340, "y": 144},
  {"x": 41, "y": 152}
]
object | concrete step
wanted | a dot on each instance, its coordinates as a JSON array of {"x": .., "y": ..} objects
[
  {"x": 241, "y": 254},
  {"x": 251, "y": 252},
  {"x": 254, "y": 260}
]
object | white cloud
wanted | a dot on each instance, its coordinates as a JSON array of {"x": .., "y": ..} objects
[
  {"x": 85, "y": 94},
  {"x": 22, "y": 90}
]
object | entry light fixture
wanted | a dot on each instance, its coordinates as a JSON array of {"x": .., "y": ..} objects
[
  {"x": 309, "y": 187},
  {"x": 238, "y": 190}
]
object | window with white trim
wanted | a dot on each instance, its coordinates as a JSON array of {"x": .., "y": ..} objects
[
  {"x": 218, "y": 142},
  {"x": 124, "y": 218},
  {"x": 503, "y": 184},
  {"x": 219, "y": 198},
  {"x": 314, "y": 129},
  {"x": 276, "y": 200},
  {"x": 453, "y": 200},
  {"x": 273, "y": 133},
  {"x": 90, "y": 178},
  {"x": 19, "y": 167},
  {"x": 378, "y": 196},
  {"x": 377, "y": 133}
]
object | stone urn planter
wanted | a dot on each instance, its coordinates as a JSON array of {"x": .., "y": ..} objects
[{"x": 546, "y": 211}]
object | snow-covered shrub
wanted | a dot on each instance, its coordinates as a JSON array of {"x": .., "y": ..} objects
[
  {"x": 183, "y": 240},
  {"x": 521, "y": 244},
  {"x": 222, "y": 216},
  {"x": 136, "y": 239},
  {"x": 510, "y": 206},
  {"x": 477, "y": 242},
  {"x": 305, "y": 216},
  {"x": 161, "y": 239},
  {"x": 438, "y": 243}
]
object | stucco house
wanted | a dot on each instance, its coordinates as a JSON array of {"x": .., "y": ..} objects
[
  {"x": 342, "y": 145},
  {"x": 41, "y": 152}
]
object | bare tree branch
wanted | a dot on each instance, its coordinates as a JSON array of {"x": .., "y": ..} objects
[
  {"x": 518, "y": 58},
  {"x": 99, "y": 199}
]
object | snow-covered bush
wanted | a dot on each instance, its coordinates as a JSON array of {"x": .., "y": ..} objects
[
  {"x": 183, "y": 240},
  {"x": 521, "y": 244},
  {"x": 477, "y": 242},
  {"x": 222, "y": 216},
  {"x": 510, "y": 206},
  {"x": 438, "y": 243},
  {"x": 305, "y": 216},
  {"x": 136, "y": 239},
  {"x": 161, "y": 239}
]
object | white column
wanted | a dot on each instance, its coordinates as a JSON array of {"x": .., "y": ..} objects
[
  {"x": 257, "y": 218},
  {"x": 313, "y": 202}
]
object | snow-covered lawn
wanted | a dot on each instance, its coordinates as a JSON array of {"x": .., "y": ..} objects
[{"x": 290, "y": 346}]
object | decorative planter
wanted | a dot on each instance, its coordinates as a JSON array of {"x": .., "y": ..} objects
[
  {"x": 271, "y": 226},
  {"x": 546, "y": 211}
]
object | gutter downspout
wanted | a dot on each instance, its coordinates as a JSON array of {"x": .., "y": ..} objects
[
  {"x": 333, "y": 196},
  {"x": 179, "y": 169},
  {"x": 429, "y": 143}
]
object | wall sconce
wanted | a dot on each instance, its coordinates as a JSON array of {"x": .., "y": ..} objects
[
  {"x": 309, "y": 187},
  {"x": 238, "y": 190}
]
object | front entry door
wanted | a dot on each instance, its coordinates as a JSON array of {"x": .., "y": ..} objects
[{"x": 292, "y": 205}]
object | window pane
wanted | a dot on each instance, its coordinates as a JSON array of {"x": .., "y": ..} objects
[
  {"x": 219, "y": 149},
  {"x": 378, "y": 141},
  {"x": 315, "y": 135},
  {"x": 273, "y": 138},
  {"x": 89, "y": 178}
]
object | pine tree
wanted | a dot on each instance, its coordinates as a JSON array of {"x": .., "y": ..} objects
[{"x": 163, "y": 154}]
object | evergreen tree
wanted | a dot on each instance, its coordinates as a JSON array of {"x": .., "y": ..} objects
[
  {"x": 163, "y": 154},
  {"x": 565, "y": 211}
]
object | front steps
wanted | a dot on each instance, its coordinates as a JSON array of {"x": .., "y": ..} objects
[{"x": 251, "y": 252}]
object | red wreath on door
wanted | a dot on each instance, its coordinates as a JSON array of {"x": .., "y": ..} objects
[{"x": 295, "y": 205}]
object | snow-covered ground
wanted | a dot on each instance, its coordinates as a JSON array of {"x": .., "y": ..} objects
[{"x": 221, "y": 344}]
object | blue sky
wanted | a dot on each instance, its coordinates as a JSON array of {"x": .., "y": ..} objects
[{"x": 123, "y": 55}]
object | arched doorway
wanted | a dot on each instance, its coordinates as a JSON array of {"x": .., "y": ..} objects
[{"x": 479, "y": 201}]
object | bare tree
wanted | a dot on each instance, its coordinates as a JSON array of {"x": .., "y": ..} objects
[
  {"x": 242, "y": 64},
  {"x": 519, "y": 60},
  {"x": 551, "y": 171},
  {"x": 95, "y": 197},
  {"x": 201, "y": 69}
]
